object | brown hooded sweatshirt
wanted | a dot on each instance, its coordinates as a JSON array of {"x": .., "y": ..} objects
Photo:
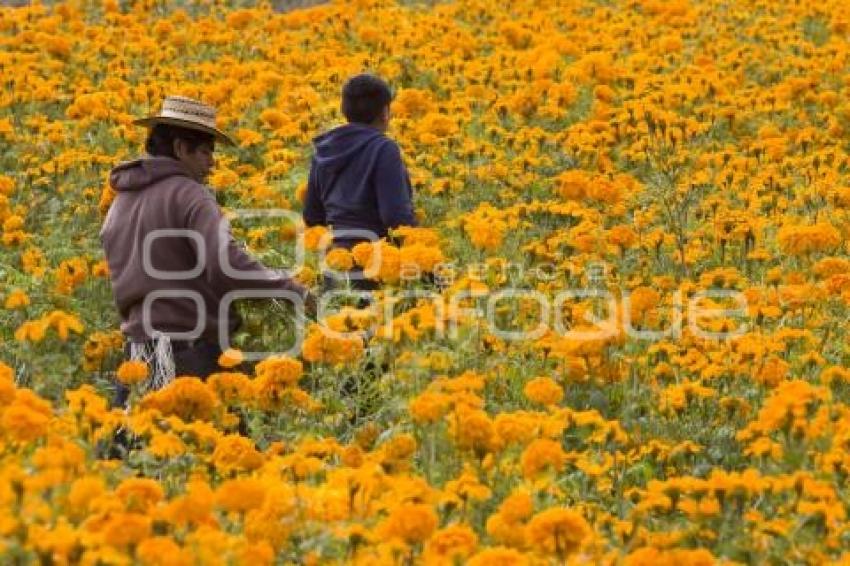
[{"x": 157, "y": 193}]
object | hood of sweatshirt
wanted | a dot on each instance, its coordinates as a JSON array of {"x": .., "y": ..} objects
[
  {"x": 336, "y": 148},
  {"x": 141, "y": 173}
]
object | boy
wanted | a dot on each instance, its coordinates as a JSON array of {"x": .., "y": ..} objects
[{"x": 358, "y": 183}]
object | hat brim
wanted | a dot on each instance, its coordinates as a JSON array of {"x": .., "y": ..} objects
[{"x": 154, "y": 120}]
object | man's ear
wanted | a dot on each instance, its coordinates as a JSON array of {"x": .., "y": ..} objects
[{"x": 179, "y": 147}]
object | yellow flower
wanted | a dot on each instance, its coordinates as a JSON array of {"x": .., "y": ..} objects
[
  {"x": 7, "y": 384},
  {"x": 126, "y": 529},
  {"x": 543, "y": 390},
  {"x": 558, "y": 531},
  {"x": 499, "y": 556},
  {"x": 17, "y": 299},
  {"x": 281, "y": 369},
  {"x": 83, "y": 492},
  {"x": 412, "y": 523},
  {"x": 230, "y": 358},
  {"x": 517, "y": 507},
  {"x": 316, "y": 237},
  {"x": 139, "y": 494},
  {"x": 166, "y": 445},
  {"x": 339, "y": 259},
  {"x": 185, "y": 397},
  {"x": 23, "y": 424},
  {"x": 231, "y": 387},
  {"x": 541, "y": 454},
  {"x": 428, "y": 407},
  {"x": 162, "y": 551},
  {"x": 240, "y": 495},
  {"x": 132, "y": 372},
  {"x": 31, "y": 331},
  {"x": 236, "y": 453},
  {"x": 321, "y": 345},
  {"x": 453, "y": 543}
]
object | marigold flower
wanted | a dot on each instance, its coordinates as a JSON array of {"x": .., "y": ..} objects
[
  {"x": 558, "y": 531},
  {"x": 186, "y": 397},
  {"x": 126, "y": 529},
  {"x": 339, "y": 259},
  {"x": 455, "y": 542},
  {"x": 410, "y": 522},
  {"x": 83, "y": 492},
  {"x": 240, "y": 495},
  {"x": 139, "y": 494},
  {"x": 541, "y": 454},
  {"x": 499, "y": 556},
  {"x": 16, "y": 299},
  {"x": 543, "y": 390},
  {"x": 23, "y": 424},
  {"x": 230, "y": 358},
  {"x": 316, "y": 237},
  {"x": 323, "y": 346},
  {"x": 132, "y": 372},
  {"x": 162, "y": 551},
  {"x": 236, "y": 453},
  {"x": 166, "y": 445}
]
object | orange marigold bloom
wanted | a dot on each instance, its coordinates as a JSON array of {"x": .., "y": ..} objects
[
  {"x": 7, "y": 385},
  {"x": 411, "y": 522},
  {"x": 282, "y": 369},
  {"x": 83, "y": 492},
  {"x": 230, "y": 358},
  {"x": 453, "y": 543},
  {"x": 16, "y": 299},
  {"x": 543, "y": 390},
  {"x": 316, "y": 237},
  {"x": 231, "y": 387},
  {"x": 186, "y": 397},
  {"x": 166, "y": 445},
  {"x": 323, "y": 346},
  {"x": 23, "y": 424},
  {"x": 429, "y": 407},
  {"x": 139, "y": 494},
  {"x": 339, "y": 259},
  {"x": 517, "y": 507},
  {"x": 540, "y": 454},
  {"x": 499, "y": 556},
  {"x": 162, "y": 551},
  {"x": 240, "y": 495},
  {"x": 126, "y": 529},
  {"x": 132, "y": 372},
  {"x": 558, "y": 531},
  {"x": 236, "y": 453},
  {"x": 804, "y": 240}
]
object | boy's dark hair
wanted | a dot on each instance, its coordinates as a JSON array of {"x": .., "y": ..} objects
[
  {"x": 161, "y": 138},
  {"x": 364, "y": 97}
]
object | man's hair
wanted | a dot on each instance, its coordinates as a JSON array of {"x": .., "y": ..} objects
[
  {"x": 364, "y": 97},
  {"x": 161, "y": 138}
]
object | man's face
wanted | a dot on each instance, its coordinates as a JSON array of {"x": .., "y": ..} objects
[{"x": 199, "y": 161}]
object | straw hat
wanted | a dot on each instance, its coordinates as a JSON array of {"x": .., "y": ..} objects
[{"x": 186, "y": 113}]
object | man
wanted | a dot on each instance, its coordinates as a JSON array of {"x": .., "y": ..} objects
[
  {"x": 358, "y": 183},
  {"x": 162, "y": 236}
]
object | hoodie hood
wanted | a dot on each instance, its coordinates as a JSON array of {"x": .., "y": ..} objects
[
  {"x": 144, "y": 172},
  {"x": 334, "y": 149}
]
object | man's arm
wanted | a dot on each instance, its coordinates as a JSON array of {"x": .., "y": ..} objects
[
  {"x": 392, "y": 186},
  {"x": 314, "y": 209},
  {"x": 204, "y": 216}
]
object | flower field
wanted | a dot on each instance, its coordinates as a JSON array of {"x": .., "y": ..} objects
[{"x": 619, "y": 337}]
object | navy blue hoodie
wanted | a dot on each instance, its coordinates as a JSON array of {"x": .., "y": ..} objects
[{"x": 358, "y": 182}]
